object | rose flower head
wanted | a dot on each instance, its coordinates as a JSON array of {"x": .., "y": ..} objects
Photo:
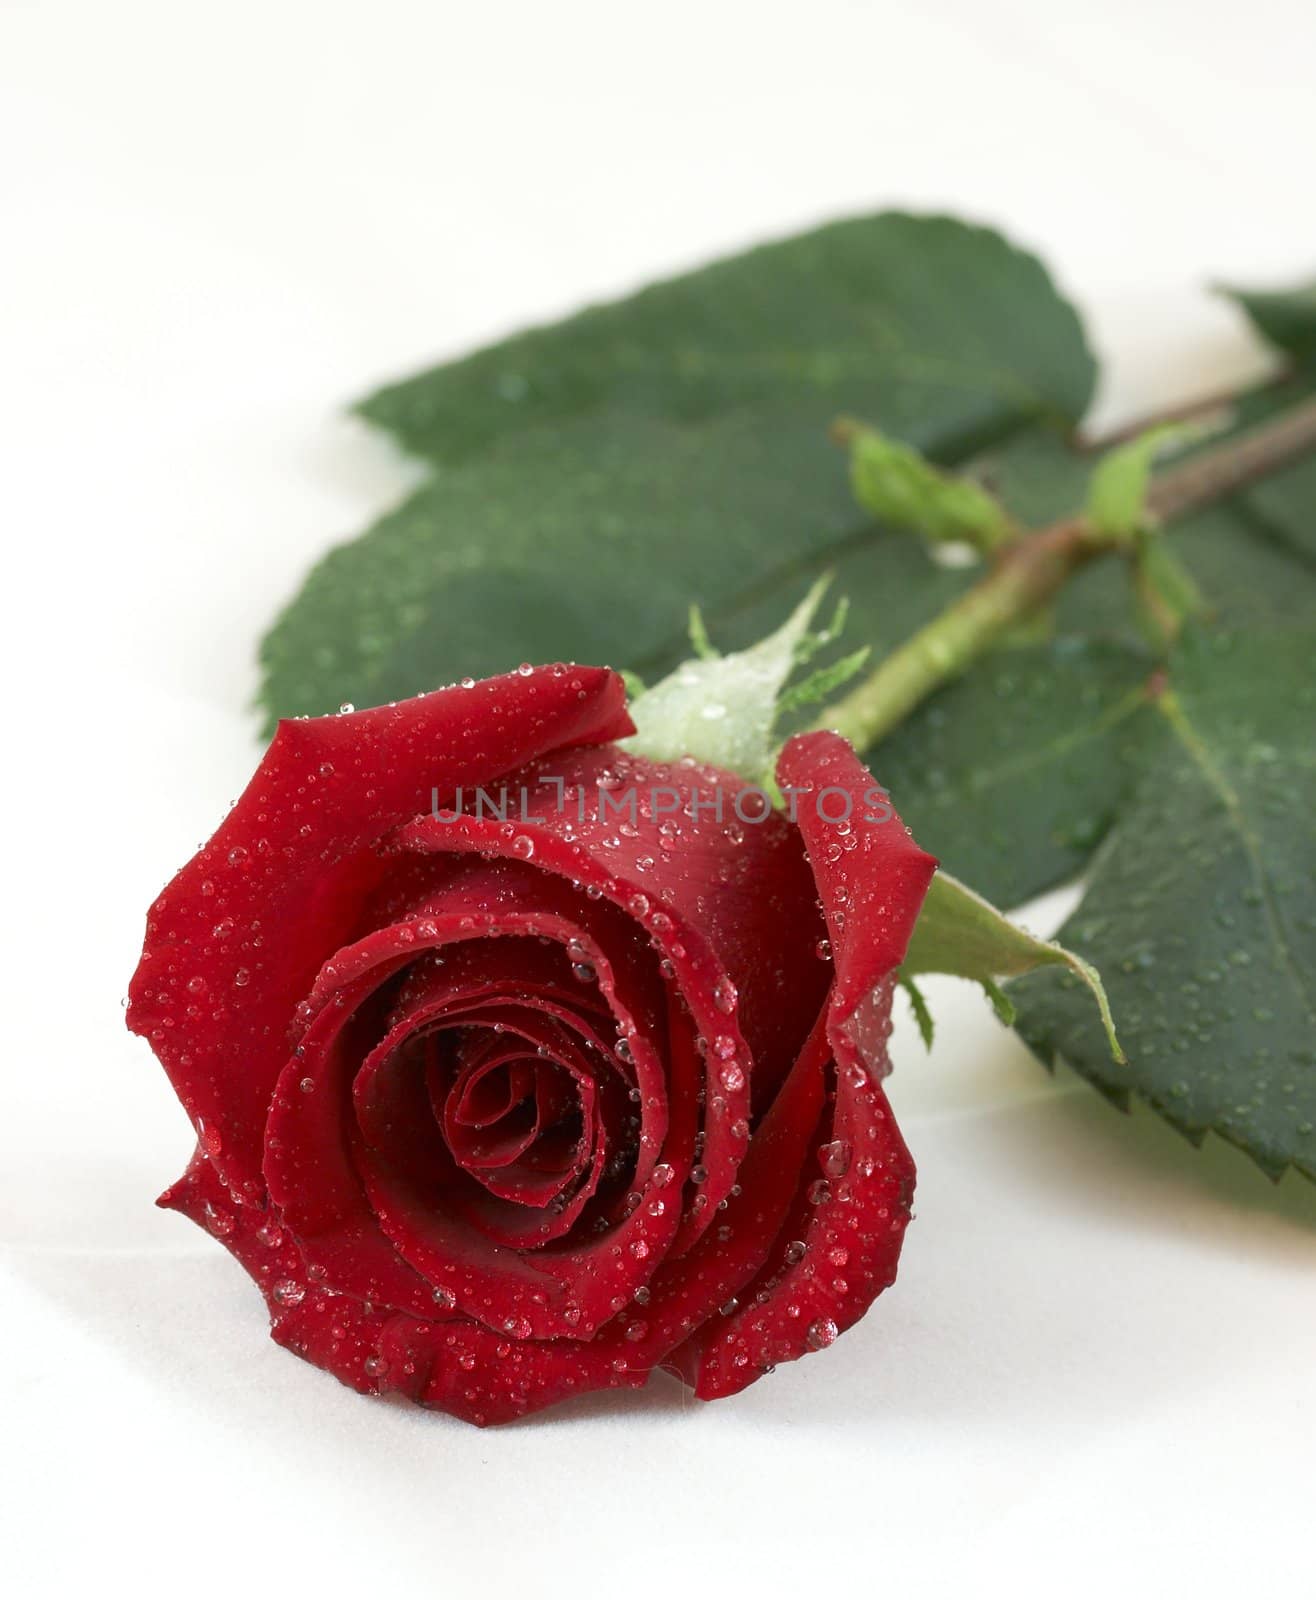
[{"x": 522, "y": 1063}]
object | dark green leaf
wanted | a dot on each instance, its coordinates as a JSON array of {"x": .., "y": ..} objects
[
  {"x": 588, "y": 542},
  {"x": 1283, "y": 508},
  {"x": 1284, "y": 317},
  {"x": 1201, "y": 910},
  {"x": 935, "y": 330},
  {"x": 1013, "y": 775},
  {"x": 599, "y": 475}
]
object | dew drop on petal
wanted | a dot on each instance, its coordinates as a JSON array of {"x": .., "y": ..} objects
[
  {"x": 834, "y": 1158},
  {"x": 821, "y": 1333}
]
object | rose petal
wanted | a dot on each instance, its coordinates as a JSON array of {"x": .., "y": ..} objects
[
  {"x": 851, "y": 1211},
  {"x": 871, "y": 880},
  {"x": 238, "y": 935}
]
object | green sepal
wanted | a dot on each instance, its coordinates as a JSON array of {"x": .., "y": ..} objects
[{"x": 958, "y": 932}]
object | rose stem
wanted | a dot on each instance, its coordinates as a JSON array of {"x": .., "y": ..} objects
[{"x": 1026, "y": 574}]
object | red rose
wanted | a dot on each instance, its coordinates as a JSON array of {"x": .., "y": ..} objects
[{"x": 495, "y": 1113}]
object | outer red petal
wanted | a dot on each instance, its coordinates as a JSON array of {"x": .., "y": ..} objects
[
  {"x": 234, "y": 942},
  {"x": 852, "y": 1205},
  {"x": 871, "y": 879}
]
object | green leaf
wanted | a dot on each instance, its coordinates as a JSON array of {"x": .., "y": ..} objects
[
  {"x": 1285, "y": 318},
  {"x": 600, "y": 475},
  {"x": 912, "y": 321},
  {"x": 1201, "y": 910},
  {"x": 1283, "y": 509},
  {"x": 1013, "y": 775},
  {"x": 958, "y": 932},
  {"x": 901, "y": 487}
]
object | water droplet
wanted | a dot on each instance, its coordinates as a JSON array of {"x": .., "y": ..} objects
[
  {"x": 821, "y": 1333},
  {"x": 834, "y": 1158},
  {"x": 288, "y": 1292}
]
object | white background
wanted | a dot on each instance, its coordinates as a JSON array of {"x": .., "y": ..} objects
[{"x": 219, "y": 224}]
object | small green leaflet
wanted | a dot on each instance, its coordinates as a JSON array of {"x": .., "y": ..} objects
[
  {"x": 1117, "y": 495},
  {"x": 901, "y": 487}
]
